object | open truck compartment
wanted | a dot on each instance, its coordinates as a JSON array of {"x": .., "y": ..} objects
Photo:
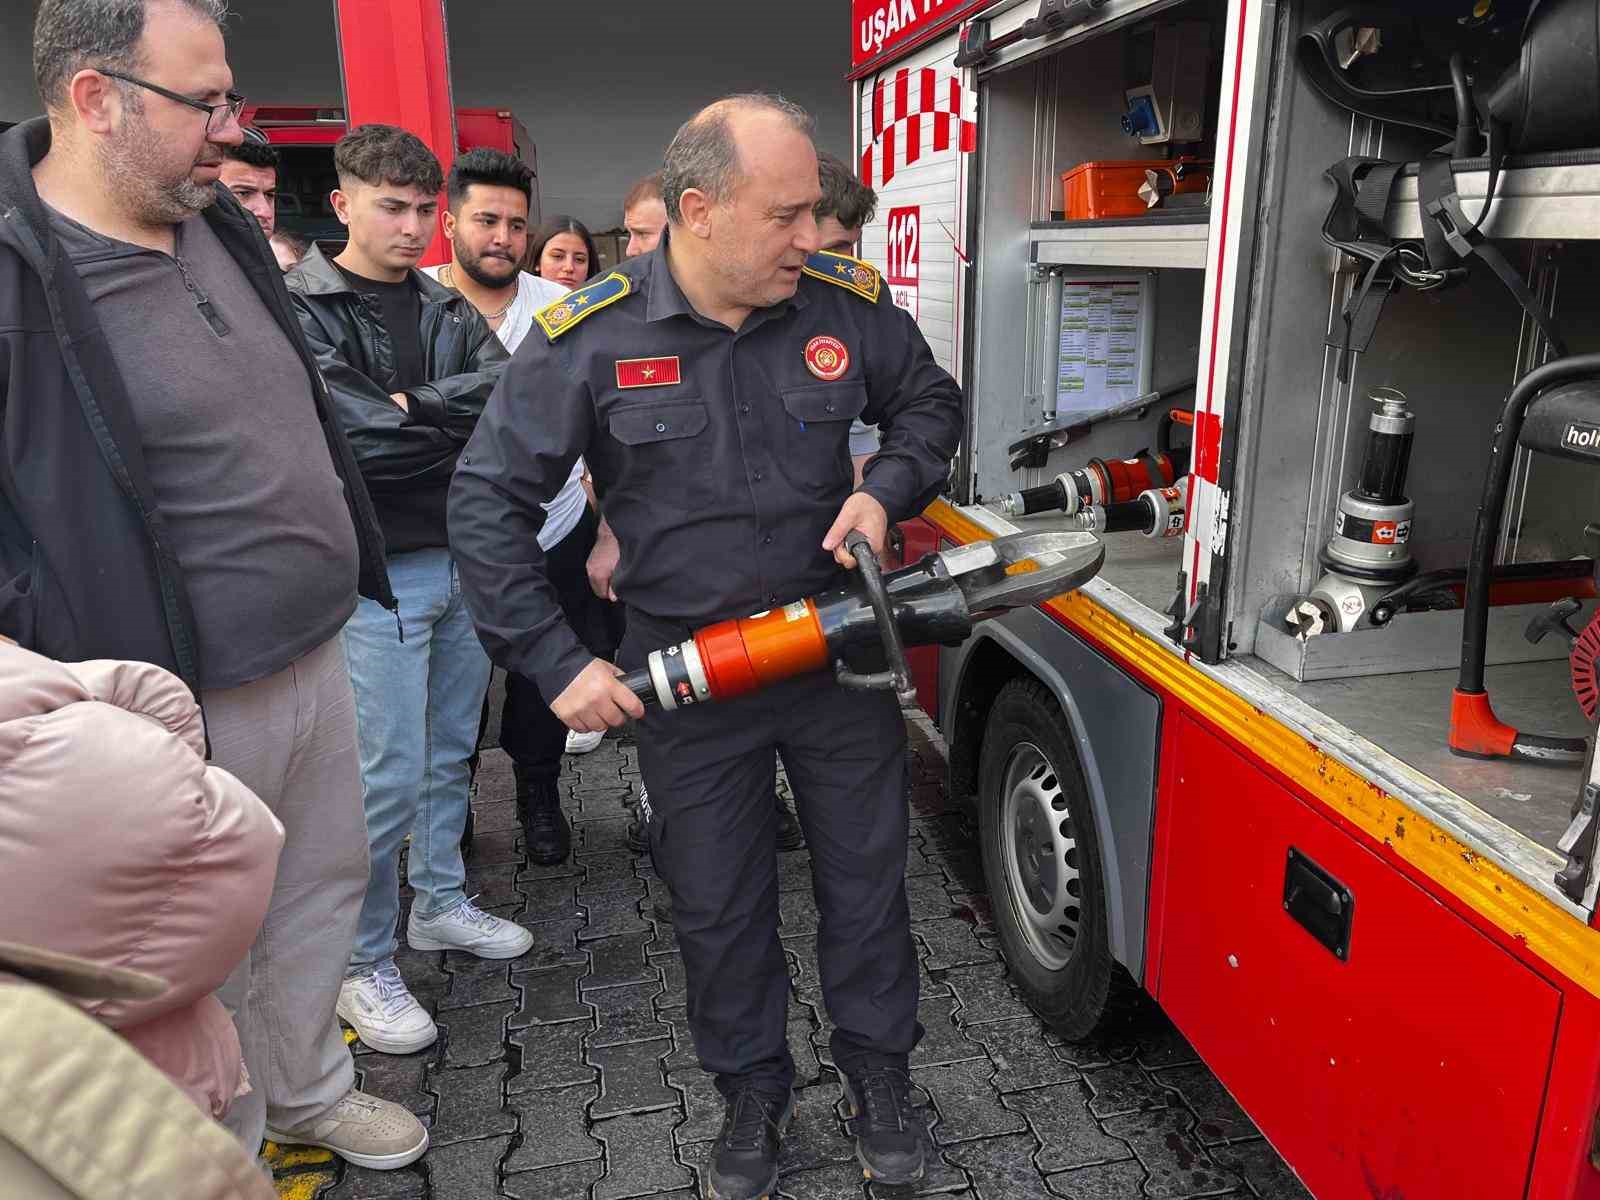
[
  {"x": 1288, "y": 853},
  {"x": 1109, "y": 309},
  {"x": 1454, "y": 352},
  {"x": 1298, "y": 428}
]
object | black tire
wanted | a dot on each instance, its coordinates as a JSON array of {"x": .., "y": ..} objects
[{"x": 1029, "y": 778}]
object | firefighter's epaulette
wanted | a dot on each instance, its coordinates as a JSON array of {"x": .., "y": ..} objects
[
  {"x": 561, "y": 315},
  {"x": 849, "y": 273}
]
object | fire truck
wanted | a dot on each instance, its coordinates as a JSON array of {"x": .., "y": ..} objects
[{"x": 1272, "y": 766}]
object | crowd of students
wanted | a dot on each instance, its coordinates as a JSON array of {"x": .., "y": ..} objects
[{"x": 226, "y": 460}]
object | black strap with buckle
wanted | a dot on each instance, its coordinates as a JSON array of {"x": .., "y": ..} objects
[{"x": 1354, "y": 225}]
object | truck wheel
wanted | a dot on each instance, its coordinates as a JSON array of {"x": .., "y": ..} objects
[{"x": 1041, "y": 856}]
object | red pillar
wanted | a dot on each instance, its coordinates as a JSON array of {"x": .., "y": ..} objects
[{"x": 394, "y": 57}]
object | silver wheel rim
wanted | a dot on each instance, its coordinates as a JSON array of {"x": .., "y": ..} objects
[{"x": 1040, "y": 851}]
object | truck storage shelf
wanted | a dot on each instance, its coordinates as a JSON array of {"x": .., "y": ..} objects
[
  {"x": 1154, "y": 242},
  {"x": 1408, "y": 715},
  {"x": 1561, "y": 201}
]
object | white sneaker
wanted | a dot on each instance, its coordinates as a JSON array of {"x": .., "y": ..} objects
[
  {"x": 582, "y": 743},
  {"x": 384, "y": 1013},
  {"x": 361, "y": 1129},
  {"x": 467, "y": 927}
]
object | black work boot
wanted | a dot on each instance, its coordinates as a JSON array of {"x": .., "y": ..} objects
[
  {"x": 638, "y": 840},
  {"x": 545, "y": 825},
  {"x": 638, "y": 835},
  {"x": 790, "y": 835},
  {"x": 887, "y": 1129},
  {"x": 745, "y": 1163}
]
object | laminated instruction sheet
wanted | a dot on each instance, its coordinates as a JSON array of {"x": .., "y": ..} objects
[{"x": 1102, "y": 336}]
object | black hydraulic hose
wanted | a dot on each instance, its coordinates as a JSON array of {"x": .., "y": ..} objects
[
  {"x": 1466, "y": 123},
  {"x": 1480, "y": 563},
  {"x": 898, "y": 677},
  {"x": 1388, "y": 606}
]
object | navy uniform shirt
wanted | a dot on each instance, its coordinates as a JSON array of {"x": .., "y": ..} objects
[{"x": 723, "y": 457}]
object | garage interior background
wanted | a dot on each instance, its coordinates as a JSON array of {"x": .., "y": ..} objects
[{"x": 601, "y": 87}]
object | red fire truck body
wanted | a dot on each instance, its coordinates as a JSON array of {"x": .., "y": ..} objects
[{"x": 1359, "y": 931}]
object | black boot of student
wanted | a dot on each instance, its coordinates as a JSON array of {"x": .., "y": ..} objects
[{"x": 543, "y": 823}]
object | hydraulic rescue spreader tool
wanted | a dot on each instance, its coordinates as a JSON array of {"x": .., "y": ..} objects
[{"x": 936, "y": 600}]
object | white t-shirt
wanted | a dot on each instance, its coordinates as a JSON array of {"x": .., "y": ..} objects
[{"x": 563, "y": 513}]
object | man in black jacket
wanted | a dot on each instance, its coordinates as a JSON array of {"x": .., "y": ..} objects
[
  {"x": 410, "y": 364},
  {"x": 173, "y": 489}
]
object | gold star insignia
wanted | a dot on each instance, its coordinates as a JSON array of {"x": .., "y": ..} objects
[
  {"x": 647, "y": 372},
  {"x": 580, "y": 301},
  {"x": 842, "y": 269}
]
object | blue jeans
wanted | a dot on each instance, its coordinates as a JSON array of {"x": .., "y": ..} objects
[{"x": 417, "y": 707}]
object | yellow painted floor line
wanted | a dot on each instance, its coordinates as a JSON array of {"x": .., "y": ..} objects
[{"x": 303, "y": 1186}]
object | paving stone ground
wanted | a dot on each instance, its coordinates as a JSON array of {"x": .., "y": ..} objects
[{"x": 569, "y": 1074}]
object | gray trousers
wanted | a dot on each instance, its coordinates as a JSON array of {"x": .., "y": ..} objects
[{"x": 291, "y": 738}]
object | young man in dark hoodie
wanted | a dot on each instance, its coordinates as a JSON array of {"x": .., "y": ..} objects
[
  {"x": 173, "y": 489},
  {"x": 410, "y": 363}
]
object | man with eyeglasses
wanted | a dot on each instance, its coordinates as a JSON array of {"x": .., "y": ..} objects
[{"x": 174, "y": 489}]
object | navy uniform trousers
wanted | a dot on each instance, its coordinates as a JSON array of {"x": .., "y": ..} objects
[{"x": 713, "y": 836}]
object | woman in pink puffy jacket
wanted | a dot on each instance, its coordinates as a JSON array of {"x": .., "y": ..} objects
[{"x": 118, "y": 844}]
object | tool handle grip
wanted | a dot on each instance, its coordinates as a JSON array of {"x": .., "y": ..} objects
[
  {"x": 898, "y": 677},
  {"x": 639, "y": 683},
  {"x": 1125, "y": 516},
  {"x": 1047, "y": 497}
]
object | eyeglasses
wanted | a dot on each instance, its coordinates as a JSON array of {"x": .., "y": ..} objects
[{"x": 232, "y": 106}]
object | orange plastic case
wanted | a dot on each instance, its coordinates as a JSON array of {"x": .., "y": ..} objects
[{"x": 1109, "y": 189}]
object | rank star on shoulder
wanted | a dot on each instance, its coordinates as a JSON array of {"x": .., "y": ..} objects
[
  {"x": 580, "y": 301},
  {"x": 841, "y": 268}
]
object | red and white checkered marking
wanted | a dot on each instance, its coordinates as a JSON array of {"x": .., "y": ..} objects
[{"x": 906, "y": 105}]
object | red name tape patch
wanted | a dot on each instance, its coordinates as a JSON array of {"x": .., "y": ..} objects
[{"x": 648, "y": 372}]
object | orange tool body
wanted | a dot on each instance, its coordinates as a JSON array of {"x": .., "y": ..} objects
[{"x": 935, "y": 600}]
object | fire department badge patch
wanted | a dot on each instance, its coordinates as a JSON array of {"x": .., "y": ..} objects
[{"x": 826, "y": 357}]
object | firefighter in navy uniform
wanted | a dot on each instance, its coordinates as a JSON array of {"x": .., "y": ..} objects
[{"x": 710, "y": 385}]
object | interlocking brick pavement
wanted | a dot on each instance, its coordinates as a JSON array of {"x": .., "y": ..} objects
[{"x": 570, "y": 1074}]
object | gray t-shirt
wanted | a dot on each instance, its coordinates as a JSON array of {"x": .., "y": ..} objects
[{"x": 235, "y": 452}]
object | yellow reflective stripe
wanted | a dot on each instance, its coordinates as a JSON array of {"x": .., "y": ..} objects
[{"x": 1482, "y": 885}]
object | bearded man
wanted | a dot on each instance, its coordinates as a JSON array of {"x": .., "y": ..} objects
[{"x": 174, "y": 489}]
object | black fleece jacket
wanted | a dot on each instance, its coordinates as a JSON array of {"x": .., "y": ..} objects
[{"x": 87, "y": 568}]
